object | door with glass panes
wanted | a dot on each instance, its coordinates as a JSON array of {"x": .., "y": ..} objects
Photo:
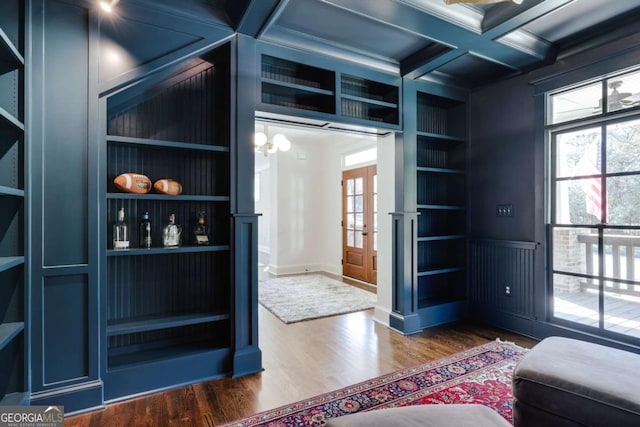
[{"x": 360, "y": 223}]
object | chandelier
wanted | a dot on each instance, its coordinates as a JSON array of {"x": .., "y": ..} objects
[{"x": 264, "y": 145}]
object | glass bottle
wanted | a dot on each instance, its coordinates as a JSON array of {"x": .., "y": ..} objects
[
  {"x": 145, "y": 231},
  {"x": 120, "y": 232},
  {"x": 201, "y": 231},
  {"x": 171, "y": 233}
]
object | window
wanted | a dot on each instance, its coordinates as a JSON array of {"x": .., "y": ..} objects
[
  {"x": 361, "y": 157},
  {"x": 594, "y": 199}
]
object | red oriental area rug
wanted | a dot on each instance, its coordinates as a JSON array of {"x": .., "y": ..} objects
[{"x": 479, "y": 375}]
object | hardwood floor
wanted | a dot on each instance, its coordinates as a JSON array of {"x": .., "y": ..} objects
[{"x": 300, "y": 360}]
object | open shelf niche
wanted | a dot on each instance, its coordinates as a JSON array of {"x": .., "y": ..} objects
[
  {"x": 440, "y": 139},
  {"x": 291, "y": 84},
  {"x": 13, "y": 384},
  {"x": 170, "y": 308},
  {"x": 369, "y": 100}
]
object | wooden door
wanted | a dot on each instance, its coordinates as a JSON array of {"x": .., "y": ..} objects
[{"x": 360, "y": 223}]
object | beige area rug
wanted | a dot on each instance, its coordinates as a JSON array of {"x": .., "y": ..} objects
[{"x": 310, "y": 296}]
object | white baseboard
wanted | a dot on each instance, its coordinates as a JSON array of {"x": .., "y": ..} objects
[
  {"x": 279, "y": 270},
  {"x": 381, "y": 315}
]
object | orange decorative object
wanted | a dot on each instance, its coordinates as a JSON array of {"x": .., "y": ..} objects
[
  {"x": 133, "y": 183},
  {"x": 167, "y": 186}
]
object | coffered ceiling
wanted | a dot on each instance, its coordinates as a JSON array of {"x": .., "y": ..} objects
[
  {"x": 466, "y": 45},
  {"x": 462, "y": 44}
]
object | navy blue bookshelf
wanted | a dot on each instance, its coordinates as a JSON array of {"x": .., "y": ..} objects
[{"x": 13, "y": 309}]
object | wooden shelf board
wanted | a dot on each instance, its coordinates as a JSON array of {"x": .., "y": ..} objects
[
  {"x": 440, "y": 136},
  {"x": 316, "y": 90},
  {"x": 443, "y": 207},
  {"x": 443, "y": 237},
  {"x": 161, "y": 251},
  {"x": 17, "y": 398},
  {"x": 166, "y": 144},
  {"x": 369, "y": 101},
  {"x": 9, "y": 262},
  {"x": 8, "y": 120},
  {"x": 434, "y": 271},
  {"x": 432, "y": 302},
  {"x": 181, "y": 197},
  {"x": 8, "y": 51},
  {"x": 10, "y": 191},
  {"x": 8, "y": 331},
  {"x": 158, "y": 355},
  {"x": 439, "y": 170},
  {"x": 153, "y": 323}
]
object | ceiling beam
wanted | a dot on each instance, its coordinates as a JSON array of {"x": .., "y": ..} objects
[
  {"x": 259, "y": 16},
  {"x": 504, "y": 18},
  {"x": 434, "y": 28},
  {"x": 427, "y": 60}
]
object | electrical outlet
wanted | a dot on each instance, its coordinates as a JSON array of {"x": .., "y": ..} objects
[
  {"x": 507, "y": 290},
  {"x": 504, "y": 210}
]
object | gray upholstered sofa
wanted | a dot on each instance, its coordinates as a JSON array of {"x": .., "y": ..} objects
[{"x": 566, "y": 382}]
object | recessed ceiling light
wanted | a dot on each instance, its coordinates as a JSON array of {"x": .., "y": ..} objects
[{"x": 108, "y": 5}]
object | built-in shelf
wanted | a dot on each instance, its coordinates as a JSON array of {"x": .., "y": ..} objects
[
  {"x": 140, "y": 358},
  {"x": 166, "y": 144},
  {"x": 370, "y": 101},
  {"x": 439, "y": 170},
  {"x": 291, "y": 84},
  {"x": 162, "y": 322},
  {"x": 10, "y": 191},
  {"x": 448, "y": 237},
  {"x": 8, "y": 52},
  {"x": 300, "y": 87},
  {"x": 164, "y": 251},
  {"x": 14, "y": 303},
  {"x": 444, "y": 207},
  {"x": 181, "y": 197},
  {"x": 10, "y": 262},
  {"x": 433, "y": 272},
  {"x": 168, "y": 311},
  {"x": 440, "y": 137},
  {"x": 8, "y": 331},
  {"x": 432, "y": 302},
  {"x": 8, "y": 121}
]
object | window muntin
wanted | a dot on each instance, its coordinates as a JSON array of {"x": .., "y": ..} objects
[
  {"x": 576, "y": 103},
  {"x": 621, "y": 92}
]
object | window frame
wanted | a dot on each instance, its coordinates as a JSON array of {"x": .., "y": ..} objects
[{"x": 552, "y": 131}]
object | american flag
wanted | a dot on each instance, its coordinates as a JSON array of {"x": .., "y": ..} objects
[{"x": 590, "y": 164}]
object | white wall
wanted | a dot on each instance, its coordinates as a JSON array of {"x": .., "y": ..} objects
[
  {"x": 263, "y": 205},
  {"x": 386, "y": 205},
  {"x": 301, "y": 214}
]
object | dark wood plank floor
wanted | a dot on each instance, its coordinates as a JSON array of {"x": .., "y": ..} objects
[{"x": 300, "y": 360}]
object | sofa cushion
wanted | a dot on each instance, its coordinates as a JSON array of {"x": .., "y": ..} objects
[
  {"x": 583, "y": 382},
  {"x": 425, "y": 416}
]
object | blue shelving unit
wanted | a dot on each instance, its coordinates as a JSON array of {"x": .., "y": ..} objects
[{"x": 13, "y": 311}]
